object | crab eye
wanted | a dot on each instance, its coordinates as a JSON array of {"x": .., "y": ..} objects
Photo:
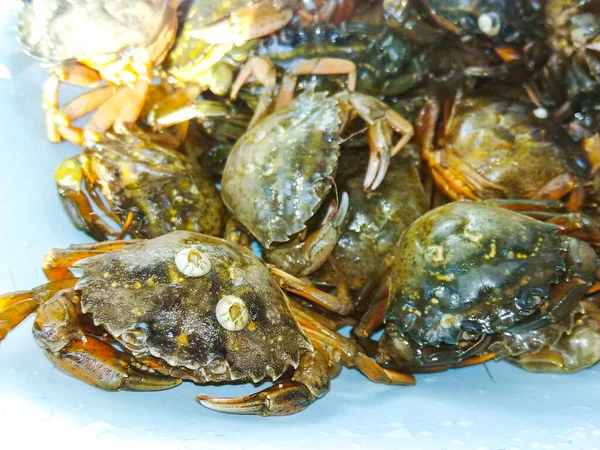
[
  {"x": 489, "y": 23},
  {"x": 232, "y": 313},
  {"x": 192, "y": 262}
]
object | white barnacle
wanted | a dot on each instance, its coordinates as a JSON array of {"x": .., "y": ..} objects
[
  {"x": 232, "y": 313},
  {"x": 192, "y": 262},
  {"x": 450, "y": 321},
  {"x": 490, "y": 24},
  {"x": 540, "y": 113}
]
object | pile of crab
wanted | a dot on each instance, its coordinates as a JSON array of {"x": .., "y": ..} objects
[{"x": 262, "y": 174}]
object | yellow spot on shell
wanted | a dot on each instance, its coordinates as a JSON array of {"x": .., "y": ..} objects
[
  {"x": 106, "y": 274},
  {"x": 521, "y": 256},
  {"x": 137, "y": 311},
  {"x": 182, "y": 340},
  {"x": 252, "y": 326},
  {"x": 526, "y": 279},
  {"x": 150, "y": 281},
  {"x": 443, "y": 277},
  {"x": 279, "y": 338},
  {"x": 434, "y": 301},
  {"x": 438, "y": 254},
  {"x": 492, "y": 252},
  {"x": 473, "y": 236},
  {"x": 137, "y": 284},
  {"x": 114, "y": 284}
]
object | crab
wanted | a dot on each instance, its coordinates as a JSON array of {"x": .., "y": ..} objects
[
  {"x": 466, "y": 272},
  {"x": 513, "y": 29},
  {"x": 374, "y": 223},
  {"x": 129, "y": 38},
  {"x": 147, "y": 314},
  {"x": 572, "y": 71},
  {"x": 383, "y": 58},
  {"x": 495, "y": 146},
  {"x": 215, "y": 39},
  {"x": 280, "y": 171},
  {"x": 160, "y": 189}
]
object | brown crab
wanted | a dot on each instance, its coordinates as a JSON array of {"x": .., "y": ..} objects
[
  {"x": 493, "y": 146},
  {"x": 146, "y": 314}
]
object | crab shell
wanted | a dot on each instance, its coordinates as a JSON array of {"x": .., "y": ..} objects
[
  {"x": 506, "y": 144},
  {"x": 279, "y": 172},
  {"x": 98, "y": 33},
  {"x": 161, "y": 187},
  {"x": 157, "y": 313},
  {"x": 469, "y": 267}
]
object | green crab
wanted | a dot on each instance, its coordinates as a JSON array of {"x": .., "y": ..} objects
[
  {"x": 281, "y": 170},
  {"x": 465, "y": 273}
]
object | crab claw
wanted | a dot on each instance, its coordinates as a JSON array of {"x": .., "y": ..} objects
[{"x": 281, "y": 399}]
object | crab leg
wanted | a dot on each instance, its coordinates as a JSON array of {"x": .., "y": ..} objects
[
  {"x": 350, "y": 353},
  {"x": 77, "y": 74},
  {"x": 264, "y": 71},
  {"x": 58, "y": 261},
  {"x": 69, "y": 178},
  {"x": 339, "y": 305},
  {"x": 379, "y": 118},
  {"x": 16, "y": 306},
  {"x": 309, "y": 382},
  {"x": 58, "y": 331},
  {"x": 320, "y": 66},
  {"x": 327, "y": 321},
  {"x": 84, "y": 104},
  {"x": 308, "y": 256},
  {"x": 107, "y": 114},
  {"x": 133, "y": 102}
]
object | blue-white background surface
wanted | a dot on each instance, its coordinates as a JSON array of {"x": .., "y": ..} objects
[{"x": 468, "y": 408}]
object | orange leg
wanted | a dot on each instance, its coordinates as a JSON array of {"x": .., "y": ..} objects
[
  {"x": 350, "y": 353},
  {"x": 264, "y": 71},
  {"x": 379, "y": 118},
  {"x": 58, "y": 331},
  {"x": 58, "y": 261},
  {"x": 306, "y": 290},
  {"x": 16, "y": 306},
  {"x": 321, "y": 66},
  {"x": 77, "y": 74}
]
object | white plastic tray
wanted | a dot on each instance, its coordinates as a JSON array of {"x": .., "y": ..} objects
[{"x": 501, "y": 408}]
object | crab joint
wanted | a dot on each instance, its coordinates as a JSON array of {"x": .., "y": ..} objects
[
  {"x": 192, "y": 263},
  {"x": 232, "y": 313}
]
